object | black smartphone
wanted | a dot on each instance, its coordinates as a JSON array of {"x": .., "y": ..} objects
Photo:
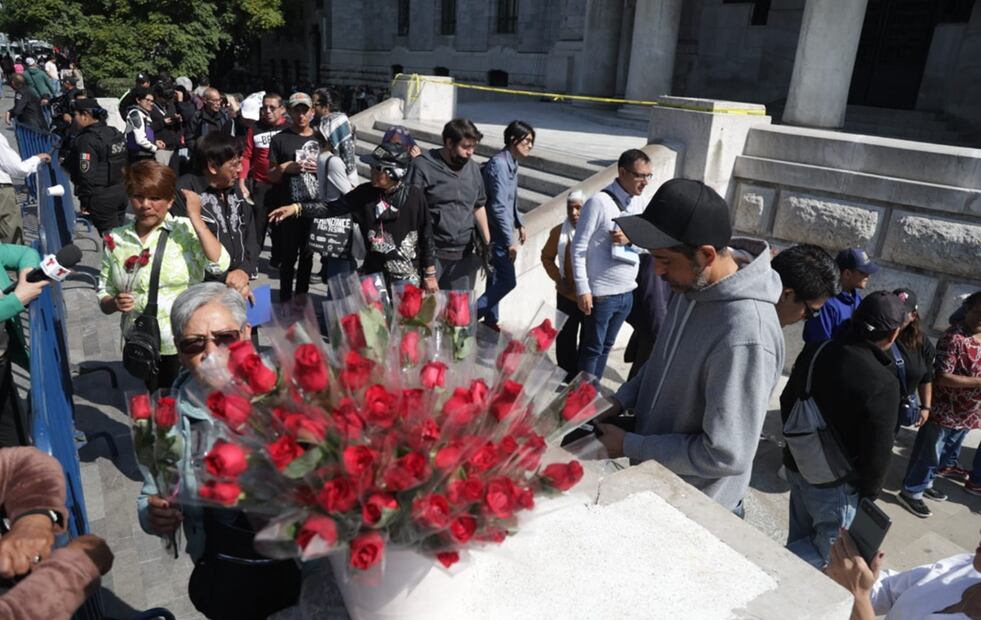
[{"x": 868, "y": 529}]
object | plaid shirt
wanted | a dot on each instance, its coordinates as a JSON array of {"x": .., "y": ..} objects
[{"x": 958, "y": 353}]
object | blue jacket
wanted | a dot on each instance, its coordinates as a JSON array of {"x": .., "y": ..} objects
[
  {"x": 501, "y": 182},
  {"x": 834, "y": 313}
]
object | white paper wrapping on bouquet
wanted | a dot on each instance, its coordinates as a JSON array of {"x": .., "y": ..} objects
[{"x": 637, "y": 558}]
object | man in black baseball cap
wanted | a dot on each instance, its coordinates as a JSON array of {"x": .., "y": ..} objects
[
  {"x": 855, "y": 386},
  {"x": 700, "y": 399}
]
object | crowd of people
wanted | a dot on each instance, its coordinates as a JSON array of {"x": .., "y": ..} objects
[{"x": 207, "y": 180}]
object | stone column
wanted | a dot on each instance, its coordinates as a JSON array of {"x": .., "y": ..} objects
[
  {"x": 826, "y": 49},
  {"x": 652, "y": 51},
  {"x": 601, "y": 45}
]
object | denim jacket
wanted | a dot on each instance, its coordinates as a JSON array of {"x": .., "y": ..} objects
[
  {"x": 193, "y": 523},
  {"x": 501, "y": 181}
]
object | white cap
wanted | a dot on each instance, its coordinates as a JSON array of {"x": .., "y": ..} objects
[
  {"x": 29, "y": 61},
  {"x": 252, "y": 105},
  {"x": 577, "y": 196},
  {"x": 185, "y": 82}
]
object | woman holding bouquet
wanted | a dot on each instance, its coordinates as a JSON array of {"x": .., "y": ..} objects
[
  {"x": 127, "y": 258},
  {"x": 392, "y": 216},
  {"x": 229, "y": 579}
]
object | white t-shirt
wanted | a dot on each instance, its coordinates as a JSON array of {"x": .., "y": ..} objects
[{"x": 922, "y": 592}]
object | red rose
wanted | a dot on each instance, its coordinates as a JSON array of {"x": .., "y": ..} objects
[
  {"x": 562, "y": 476},
  {"x": 432, "y": 511},
  {"x": 433, "y": 375},
  {"x": 544, "y": 335},
  {"x": 460, "y": 408},
  {"x": 348, "y": 422},
  {"x": 509, "y": 359},
  {"x": 238, "y": 352},
  {"x": 284, "y": 451},
  {"x": 165, "y": 415},
  {"x": 338, "y": 495},
  {"x": 448, "y": 558},
  {"x": 109, "y": 241},
  {"x": 411, "y": 301},
  {"x": 359, "y": 460},
  {"x": 224, "y": 493},
  {"x": 367, "y": 549},
  {"x": 320, "y": 526},
  {"x": 465, "y": 491},
  {"x": 458, "y": 308},
  {"x": 484, "y": 458},
  {"x": 449, "y": 456},
  {"x": 507, "y": 446},
  {"x": 311, "y": 371},
  {"x": 577, "y": 401},
  {"x": 369, "y": 290},
  {"x": 478, "y": 392},
  {"x": 351, "y": 324},
  {"x": 409, "y": 348},
  {"x": 423, "y": 436},
  {"x": 407, "y": 472},
  {"x": 130, "y": 263},
  {"x": 144, "y": 258},
  {"x": 380, "y": 406},
  {"x": 305, "y": 428},
  {"x": 373, "y": 509},
  {"x": 139, "y": 407},
  {"x": 233, "y": 410},
  {"x": 525, "y": 498},
  {"x": 226, "y": 460},
  {"x": 463, "y": 528},
  {"x": 247, "y": 366},
  {"x": 410, "y": 405},
  {"x": 504, "y": 401},
  {"x": 531, "y": 451},
  {"x": 499, "y": 500},
  {"x": 357, "y": 371}
]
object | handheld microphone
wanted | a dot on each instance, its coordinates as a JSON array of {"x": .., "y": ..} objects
[{"x": 55, "y": 267}]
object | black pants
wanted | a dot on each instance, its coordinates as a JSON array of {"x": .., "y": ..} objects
[
  {"x": 106, "y": 208},
  {"x": 170, "y": 366},
  {"x": 13, "y": 424},
  {"x": 567, "y": 342},
  {"x": 294, "y": 233},
  {"x": 457, "y": 275},
  {"x": 261, "y": 212}
]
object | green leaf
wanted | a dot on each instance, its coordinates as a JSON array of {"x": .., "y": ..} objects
[
  {"x": 428, "y": 310},
  {"x": 375, "y": 331},
  {"x": 304, "y": 464}
]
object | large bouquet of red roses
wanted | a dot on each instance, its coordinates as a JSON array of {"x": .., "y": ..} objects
[{"x": 406, "y": 430}]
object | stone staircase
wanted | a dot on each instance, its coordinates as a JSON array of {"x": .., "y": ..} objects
[{"x": 541, "y": 176}]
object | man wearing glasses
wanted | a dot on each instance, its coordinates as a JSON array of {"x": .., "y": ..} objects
[
  {"x": 810, "y": 278},
  {"x": 604, "y": 263},
  {"x": 254, "y": 177},
  {"x": 211, "y": 118},
  {"x": 856, "y": 268}
]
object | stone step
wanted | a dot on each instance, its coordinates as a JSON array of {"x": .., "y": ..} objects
[
  {"x": 527, "y": 199},
  {"x": 534, "y": 179},
  {"x": 915, "y": 161},
  {"x": 868, "y": 113},
  {"x": 558, "y": 164}
]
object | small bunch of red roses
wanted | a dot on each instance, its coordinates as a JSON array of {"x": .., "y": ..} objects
[
  {"x": 124, "y": 276},
  {"x": 370, "y": 443}
]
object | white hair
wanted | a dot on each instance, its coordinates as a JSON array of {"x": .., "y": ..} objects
[
  {"x": 199, "y": 295},
  {"x": 576, "y": 196}
]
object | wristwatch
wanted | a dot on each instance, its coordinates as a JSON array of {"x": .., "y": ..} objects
[{"x": 51, "y": 514}]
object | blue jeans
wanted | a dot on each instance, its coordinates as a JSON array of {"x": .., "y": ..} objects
[
  {"x": 501, "y": 282},
  {"x": 935, "y": 447},
  {"x": 816, "y": 513},
  {"x": 600, "y": 329}
]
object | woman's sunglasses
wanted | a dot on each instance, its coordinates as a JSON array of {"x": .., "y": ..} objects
[{"x": 193, "y": 346}]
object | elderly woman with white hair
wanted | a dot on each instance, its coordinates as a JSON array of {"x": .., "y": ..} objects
[
  {"x": 559, "y": 244},
  {"x": 229, "y": 579}
]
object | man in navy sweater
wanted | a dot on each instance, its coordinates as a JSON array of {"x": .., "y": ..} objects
[{"x": 856, "y": 269}]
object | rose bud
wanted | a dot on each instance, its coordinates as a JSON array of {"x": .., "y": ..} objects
[
  {"x": 448, "y": 558},
  {"x": 374, "y": 509},
  {"x": 310, "y": 370},
  {"x": 432, "y": 511},
  {"x": 351, "y": 325},
  {"x": 226, "y": 460},
  {"x": 409, "y": 348},
  {"x": 458, "y": 309},
  {"x": 284, "y": 451},
  {"x": 139, "y": 407},
  {"x": 224, "y": 493},
  {"x": 433, "y": 375},
  {"x": 544, "y": 335},
  {"x": 367, "y": 549},
  {"x": 411, "y": 301},
  {"x": 165, "y": 415},
  {"x": 320, "y": 526},
  {"x": 231, "y": 409},
  {"x": 577, "y": 401}
]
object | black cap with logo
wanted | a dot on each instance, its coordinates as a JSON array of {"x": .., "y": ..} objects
[
  {"x": 682, "y": 212},
  {"x": 880, "y": 311}
]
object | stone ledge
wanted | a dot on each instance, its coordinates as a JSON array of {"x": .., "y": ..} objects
[
  {"x": 943, "y": 198},
  {"x": 954, "y": 295},
  {"x": 940, "y": 244},
  {"x": 826, "y": 221},
  {"x": 890, "y": 157},
  {"x": 925, "y": 287},
  {"x": 753, "y": 207}
]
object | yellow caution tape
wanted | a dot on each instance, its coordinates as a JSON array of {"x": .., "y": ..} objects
[{"x": 415, "y": 87}]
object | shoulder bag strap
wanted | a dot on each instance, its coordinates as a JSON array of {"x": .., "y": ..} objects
[
  {"x": 900, "y": 367},
  {"x": 151, "y": 301},
  {"x": 616, "y": 200},
  {"x": 810, "y": 371}
]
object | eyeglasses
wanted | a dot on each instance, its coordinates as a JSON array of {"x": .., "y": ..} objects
[
  {"x": 641, "y": 175},
  {"x": 197, "y": 344},
  {"x": 271, "y": 108}
]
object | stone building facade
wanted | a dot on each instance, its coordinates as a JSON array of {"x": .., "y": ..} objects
[{"x": 922, "y": 54}]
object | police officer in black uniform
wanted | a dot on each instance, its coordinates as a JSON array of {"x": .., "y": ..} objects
[{"x": 96, "y": 165}]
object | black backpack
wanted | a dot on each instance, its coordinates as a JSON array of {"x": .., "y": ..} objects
[{"x": 141, "y": 353}]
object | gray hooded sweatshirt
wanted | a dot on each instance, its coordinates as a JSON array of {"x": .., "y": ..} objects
[{"x": 700, "y": 412}]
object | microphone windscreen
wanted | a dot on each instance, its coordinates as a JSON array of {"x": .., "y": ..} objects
[{"x": 69, "y": 256}]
